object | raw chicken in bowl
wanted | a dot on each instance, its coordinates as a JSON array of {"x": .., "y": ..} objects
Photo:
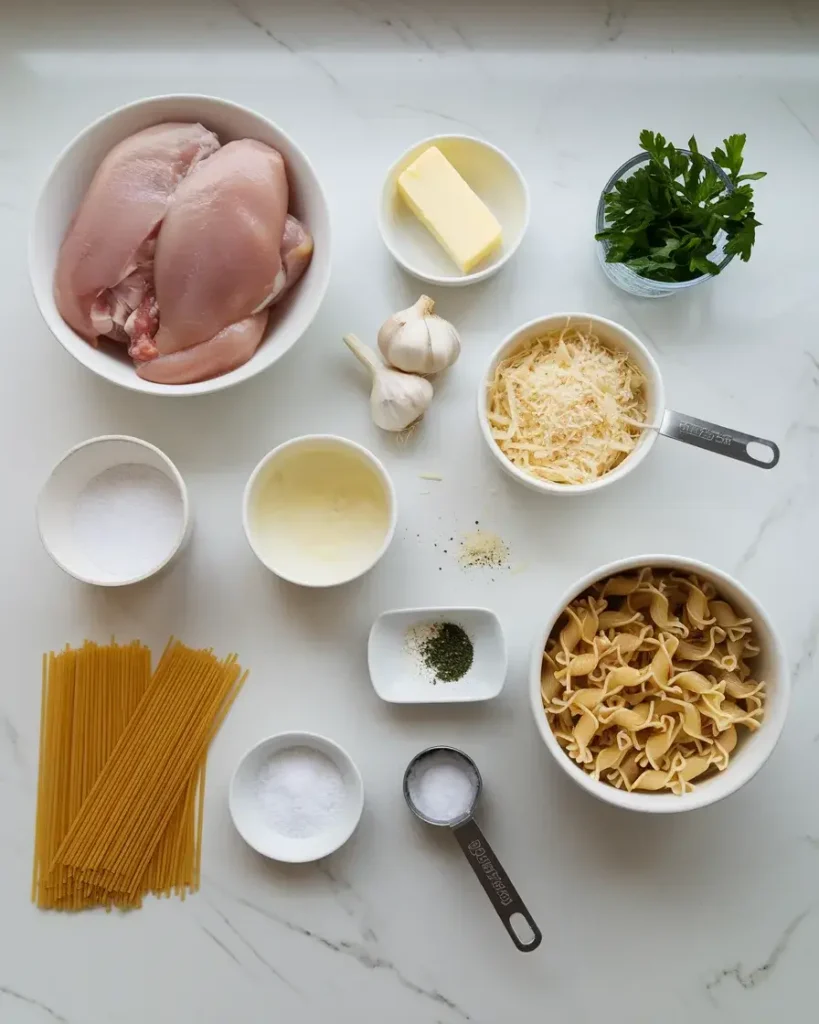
[{"x": 185, "y": 236}]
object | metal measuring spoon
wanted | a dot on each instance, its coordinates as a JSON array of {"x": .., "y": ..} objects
[{"x": 502, "y": 894}]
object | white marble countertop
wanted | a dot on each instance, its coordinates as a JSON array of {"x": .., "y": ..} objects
[{"x": 705, "y": 917}]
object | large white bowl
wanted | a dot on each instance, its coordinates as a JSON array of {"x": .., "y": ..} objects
[
  {"x": 70, "y": 177},
  {"x": 754, "y": 748},
  {"x": 617, "y": 338}
]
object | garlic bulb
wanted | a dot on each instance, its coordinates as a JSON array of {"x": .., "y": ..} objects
[
  {"x": 417, "y": 341},
  {"x": 397, "y": 399}
]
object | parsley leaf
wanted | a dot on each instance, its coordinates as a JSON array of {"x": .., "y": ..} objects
[
  {"x": 730, "y": 158},
  {"x": 664, "y": 219}
]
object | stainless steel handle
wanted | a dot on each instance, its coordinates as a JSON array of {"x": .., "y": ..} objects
[
  {"x": 497, "y": 885},
  {"x": 721, "y": 440}
]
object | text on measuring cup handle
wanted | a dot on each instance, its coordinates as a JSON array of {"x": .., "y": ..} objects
[
  {"x": 757, "y": 451},
  {"x": 706, "y": 433},
  {"x": 491, "y": 872}
]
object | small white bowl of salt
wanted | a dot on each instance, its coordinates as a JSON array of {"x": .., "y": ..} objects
[
  {"x": 296, "y": 797},
  {"x": 113, "y": 511}
]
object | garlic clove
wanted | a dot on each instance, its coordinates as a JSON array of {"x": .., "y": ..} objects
[
  {"x": 364, "y": 354},
  {"x": 416, "y": 340},
  {"x": 423, "y": 307},
  {"x": 397, "y": 399}
]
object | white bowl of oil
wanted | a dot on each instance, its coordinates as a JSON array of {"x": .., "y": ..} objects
[{"x": 319, "y": 510}]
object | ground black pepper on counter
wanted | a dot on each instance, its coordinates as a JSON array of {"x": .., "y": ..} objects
[{"x": 447, "y": 652}]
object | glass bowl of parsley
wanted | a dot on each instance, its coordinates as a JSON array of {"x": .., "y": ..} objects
[{"x": 671, "y": 218}]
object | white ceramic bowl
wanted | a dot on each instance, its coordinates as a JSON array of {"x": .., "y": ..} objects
[
  {"x": 74, "y": 471},
  {"x": 754, "y": 748},
  {"x": 70, "y": 177},
  {"x": 612, "y": 334},
  {"x": 292, "y": 562},
  {"x": 395, "y": 673},
  {"x": 248, "y": 813},
  {"x": 491, "y": 174}
]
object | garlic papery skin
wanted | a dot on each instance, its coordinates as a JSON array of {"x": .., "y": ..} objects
[
  {"x": 397, "y": 399},
  {"x": 416, "y": 340}
]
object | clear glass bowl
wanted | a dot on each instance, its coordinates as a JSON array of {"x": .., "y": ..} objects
[{"x": 627, "y": 279}]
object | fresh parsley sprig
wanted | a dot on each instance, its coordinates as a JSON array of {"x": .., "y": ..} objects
[{"x": 664, "y": 218}]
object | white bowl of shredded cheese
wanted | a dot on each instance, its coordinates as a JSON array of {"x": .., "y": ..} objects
[{"x": 563, "y": 417}]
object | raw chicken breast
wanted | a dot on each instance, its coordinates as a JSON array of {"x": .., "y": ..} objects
[
  {"x": 296, "y": 253},
  {"x": 178, "y": 249},
  {"x": 121, "y": 210},
  {"x": 218, "y": 253},
  {"x": 230, "y": 348}
]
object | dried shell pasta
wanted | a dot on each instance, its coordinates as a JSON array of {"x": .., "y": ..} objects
[{"x": 647, "y": 679}]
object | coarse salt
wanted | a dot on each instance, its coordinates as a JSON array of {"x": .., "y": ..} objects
[
  {"x": 301, "y": 792},
  {"x": 442, "y": 787},
  {"x": 128, "y": 520},
  {"x": 415, "y": 639}
]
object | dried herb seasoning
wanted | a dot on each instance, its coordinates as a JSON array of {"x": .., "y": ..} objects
[{"x": 443, "y": 648}]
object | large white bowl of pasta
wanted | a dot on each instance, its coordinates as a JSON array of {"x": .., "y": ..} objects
[{"x": 659, "y": 684}]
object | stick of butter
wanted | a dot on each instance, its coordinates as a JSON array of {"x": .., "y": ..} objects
[{"x": 448, "y": 208}]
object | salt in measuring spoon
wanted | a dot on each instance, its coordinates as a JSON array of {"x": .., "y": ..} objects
[{"x": 458, "y": 784}]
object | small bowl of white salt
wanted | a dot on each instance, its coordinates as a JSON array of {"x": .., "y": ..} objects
[
  {"x": 113, "y": 511},
  {"x": 296, "y": 797}
]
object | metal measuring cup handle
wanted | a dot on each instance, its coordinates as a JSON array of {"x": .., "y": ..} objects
[
  {"x": 502, "y": 894},
  {"x": 713, "y": 438}
]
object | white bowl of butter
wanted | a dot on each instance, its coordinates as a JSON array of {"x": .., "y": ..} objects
[
  {"x": 411, "y": 236},
  {"x": 319, "y": 510}
]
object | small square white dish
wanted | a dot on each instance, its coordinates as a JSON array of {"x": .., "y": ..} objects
[{"x": 399, "y": 676}]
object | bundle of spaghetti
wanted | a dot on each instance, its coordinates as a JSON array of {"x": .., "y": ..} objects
[
  {"x": 88, "y": 697},
  {"x": 129, "y": 812}
]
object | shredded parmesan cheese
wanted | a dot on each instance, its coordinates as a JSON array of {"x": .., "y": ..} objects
[{"x": 565, "y": 407}]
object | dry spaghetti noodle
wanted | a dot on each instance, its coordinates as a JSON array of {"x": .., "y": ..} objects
[{"x": 122, "y": 772}]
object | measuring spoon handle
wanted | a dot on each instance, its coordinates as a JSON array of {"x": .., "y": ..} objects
[
  {"x": 502, "y": 894},
  {"x": 713, "y": 438}
]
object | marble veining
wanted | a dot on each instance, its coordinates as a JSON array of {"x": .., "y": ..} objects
[
  {"x": 708, "y": 917},
  {"x": 281, "y": 42},
  {"x": 756, "y": 976},
  {"x": 249, "y": 946},
  {"x": 18, "y": 997},
  {"x": 799, "y": 120},
  {"x": 363, "y": 952}
]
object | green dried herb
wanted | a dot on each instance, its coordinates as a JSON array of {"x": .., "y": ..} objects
[
  {"x": 448, "y": 652},
  {"x": 663, "y": 220},
  {"x": 444, "y": 648}
]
